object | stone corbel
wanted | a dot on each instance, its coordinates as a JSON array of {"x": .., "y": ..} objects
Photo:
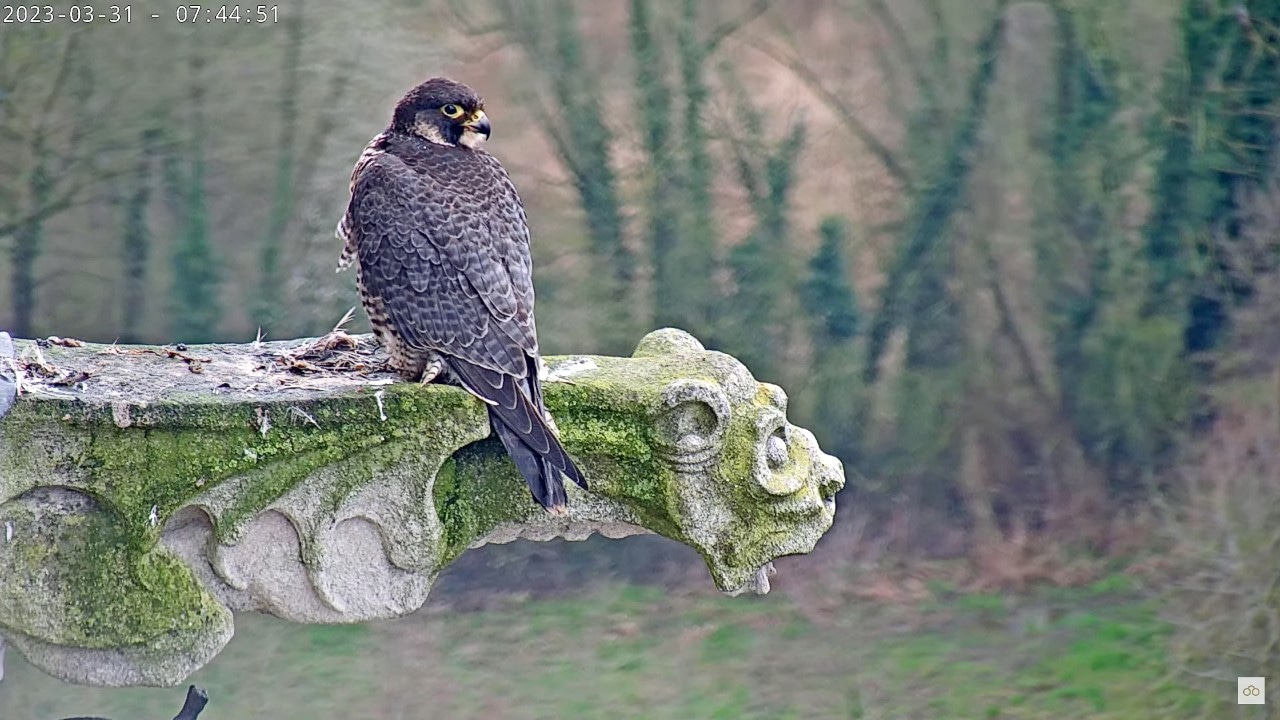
[{"x": 147, "y": 492}]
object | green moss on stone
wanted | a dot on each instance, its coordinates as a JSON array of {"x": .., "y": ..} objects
[
  {"x": 184, "y": 449},
  {"x": 116, "y": 598},
  {"x": 84, "y": 586},
  {"x": 614, "y": 441},
  {"x": 118, "y": 588},
  {"x": 475, "y": 491}
]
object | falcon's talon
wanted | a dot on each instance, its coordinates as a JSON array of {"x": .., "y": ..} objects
[
  {"x": 432, "y": 370},
  {"x": 462, "y": 308}
]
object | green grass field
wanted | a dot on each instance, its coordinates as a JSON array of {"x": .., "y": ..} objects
[{"x": 636, "y": 652}]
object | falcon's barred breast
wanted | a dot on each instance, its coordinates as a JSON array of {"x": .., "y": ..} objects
[{"x": 441, "y": 246}]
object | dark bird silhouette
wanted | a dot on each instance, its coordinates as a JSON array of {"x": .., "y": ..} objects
[
  {"x": 191, "y": 707},
  {"x": 441, "y": 246}
]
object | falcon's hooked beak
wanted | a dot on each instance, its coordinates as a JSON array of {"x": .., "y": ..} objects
[{"x": 476, "y": 130}]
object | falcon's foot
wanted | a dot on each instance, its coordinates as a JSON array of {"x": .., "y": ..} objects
[{"x": 432, "y": 370}]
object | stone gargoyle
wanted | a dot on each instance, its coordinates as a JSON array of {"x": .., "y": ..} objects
[{"x": 147, "y": 492}]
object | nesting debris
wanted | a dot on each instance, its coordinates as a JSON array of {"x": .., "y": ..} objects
[
  {"x": 34, "y": 369},
  {"x": 263, "y": 421},
  {"x": 73, "y": 377},
  {"x": 194, "y": 364},
  {"x": 336, "y": 352},
  {"x": 64, "y": 342},
  {"x": 179, "y": 352},
  {"x": 302, "y": 415},
  {"x": 142, "y": 373},
  {"x": 35, "y": 362}
]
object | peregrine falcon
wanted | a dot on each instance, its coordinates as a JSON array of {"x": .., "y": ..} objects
[{"x": 441, "y": 246}]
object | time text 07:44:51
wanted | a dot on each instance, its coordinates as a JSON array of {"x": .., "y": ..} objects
[{"x": 111, "y": 14}]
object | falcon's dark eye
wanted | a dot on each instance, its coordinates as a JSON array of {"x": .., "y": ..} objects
[{"x": 451, "y": 111}]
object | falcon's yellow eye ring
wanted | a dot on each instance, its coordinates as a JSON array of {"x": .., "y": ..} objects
[{"x": 451, "y": 111}]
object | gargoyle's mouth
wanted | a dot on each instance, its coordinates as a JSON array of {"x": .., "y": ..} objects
[
  {"x": 749, "y": 566},
  {"x": 803, "y": 505}
]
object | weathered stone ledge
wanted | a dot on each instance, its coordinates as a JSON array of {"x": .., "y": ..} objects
[{"x": 148, "y": 492}]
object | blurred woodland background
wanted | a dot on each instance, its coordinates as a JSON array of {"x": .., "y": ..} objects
[{"x": 1016, "y": 263}]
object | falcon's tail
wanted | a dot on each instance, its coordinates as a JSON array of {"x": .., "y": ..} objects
[
  {"x": 543, "y": 478},
  {"x": 520, "y": 425}
]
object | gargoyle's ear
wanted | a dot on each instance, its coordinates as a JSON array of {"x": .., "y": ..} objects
[{"x": 691, "y": 421}]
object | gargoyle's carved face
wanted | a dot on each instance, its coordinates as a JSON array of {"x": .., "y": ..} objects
[{"x": 749, "y": 486}]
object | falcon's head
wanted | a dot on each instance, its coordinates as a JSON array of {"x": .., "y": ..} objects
[{"x": 443, "y": 112}]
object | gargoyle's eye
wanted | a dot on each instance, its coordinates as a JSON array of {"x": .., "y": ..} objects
[{"x": 775, "y": 449}]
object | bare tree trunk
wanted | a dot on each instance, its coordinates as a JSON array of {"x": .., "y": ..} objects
[
  {"x": 267, "y": 310},
  {"x": 28, "y": 236},
  {"x": 972, "y": 480},
  {"x": 136, "y": 243},
  {"x": 27, "y": 242},
  {"x": 572, "y": 115},
  {"x": 195, "y": 278},
  {"x": 653, "y": 109},
  {"x": 698, "y": 252},
  {"x": 935, "y": 205},
  {"x": 313, "y": 305}
]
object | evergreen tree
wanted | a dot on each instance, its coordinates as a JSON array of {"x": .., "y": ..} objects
[
  {"x": 834, "y": 394},
  {"x": 827, "y": 296},
  {"x": 1219, "y": 136}
]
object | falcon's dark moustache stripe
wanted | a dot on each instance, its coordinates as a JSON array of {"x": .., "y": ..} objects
[{"x": 519, "y": 424}]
